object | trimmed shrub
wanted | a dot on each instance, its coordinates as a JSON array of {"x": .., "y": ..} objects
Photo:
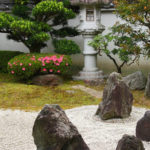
[
  {"x": 5, "y": 56},
  {"x": 67, "y": 47},
  {"x": 27, "y": 65}
]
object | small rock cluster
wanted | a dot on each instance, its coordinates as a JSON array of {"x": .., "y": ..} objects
[{"x": 135, "y": 81}]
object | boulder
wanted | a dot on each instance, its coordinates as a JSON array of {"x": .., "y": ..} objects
[
  {"x": 147, "y": 89},
  {"x": 130, "y": 143},
  {"x": 48, "y": 79},
  {"x": 135, "y": 81},
  {"x": 117, "y": 99},
  {"x": 143, "y": 127},
  {"x": 52, "y": 130}
]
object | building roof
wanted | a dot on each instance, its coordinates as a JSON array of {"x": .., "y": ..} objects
[{"x": 90, "y": 2}]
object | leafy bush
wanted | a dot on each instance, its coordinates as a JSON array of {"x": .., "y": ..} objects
[
  {"x": 5, "y": 56},
  {"x": 27, "y": 65},
  {"x": 66, "y": 47}
]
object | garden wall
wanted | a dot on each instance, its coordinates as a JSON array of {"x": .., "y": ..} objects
[{"x": 107, "y": 19}]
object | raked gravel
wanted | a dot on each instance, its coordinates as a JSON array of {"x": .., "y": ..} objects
[{"x": 16, "y": 128}]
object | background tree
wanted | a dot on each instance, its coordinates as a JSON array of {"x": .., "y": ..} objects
[
  {"x": 33, "y": 28},
  {"x": 125, "y": 47},
  {"x": 137, "y": 14}
]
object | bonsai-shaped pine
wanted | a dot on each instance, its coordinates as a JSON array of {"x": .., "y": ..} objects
[
  {"x": 137, "y": 14},
  {"x": 34, "y": 27},
  {"x": 125, "y": 47}
]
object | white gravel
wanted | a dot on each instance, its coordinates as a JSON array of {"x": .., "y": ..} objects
[{"x": 16, "y": 128}]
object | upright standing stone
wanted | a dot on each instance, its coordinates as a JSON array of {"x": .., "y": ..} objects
[
  {"x": 117, "y": 99},
  {"x": 143, "y": 127},
  {"x": 147, "y": 89},
  {"x": 130, "y": 143},
  {"x": 52, "y": 130},
  {"x": 135, "y": 81}
]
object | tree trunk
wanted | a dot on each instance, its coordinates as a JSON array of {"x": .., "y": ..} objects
[
  {"x": 34, "y": 50},
  {"x": 119, "y": 70}
]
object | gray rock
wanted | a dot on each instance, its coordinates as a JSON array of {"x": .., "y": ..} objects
[
  {"x": 117, "y": 99},
  {"x": 135, "y": 81},
  {"x": 147, "y": 89},
  {"x": 52, "y": 130},
  {"x": 143, "y": 127},
  {"x": 130, "y": 143},
  {"x": 48, "y": 79}
]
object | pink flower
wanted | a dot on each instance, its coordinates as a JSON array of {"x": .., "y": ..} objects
[
  {"x": 21, "y": 64},
  {"x": 30, "y": 64},
  {"x": 66, "y": 64},
  {"x": 10, "y": 64},
  {"x": 39, "y": 59},
  {"x": 57, "y": 64},
  {"x": 32, "y": 58},
  {"x": 58, "y": 71},
  {"x": 44, "y": 69},
  {"x": 43, "y": 64},
  {"x": 47, "y": 61},
  {"x": 50, "y": 70},
  {"x": 12, "y": 72},
  {"x": 23, "y": 69}
]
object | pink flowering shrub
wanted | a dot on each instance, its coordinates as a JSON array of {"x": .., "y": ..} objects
[{"x": 27, "y": 65}]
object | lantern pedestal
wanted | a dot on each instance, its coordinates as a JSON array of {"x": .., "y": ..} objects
[{"x": 90, "y": 70}]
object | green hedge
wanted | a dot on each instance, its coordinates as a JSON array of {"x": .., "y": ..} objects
[
  {"x": 67, "y": 47},
  {"x": 5, "y": 56},
  {"x": 27, "y": 65}
]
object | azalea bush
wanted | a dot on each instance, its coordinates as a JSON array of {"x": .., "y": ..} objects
[{"x": 27, "y": 65}]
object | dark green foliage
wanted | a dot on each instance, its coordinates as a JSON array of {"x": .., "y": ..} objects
[
  {"x": 21, "y": 2},
  {"x": 27, "y": 65},
  {"x": 67, "y": 47},
  {"x": 5, "y": 56},
  {"x": 21, "y": 11},
  {"x": 63, "y": 32}
]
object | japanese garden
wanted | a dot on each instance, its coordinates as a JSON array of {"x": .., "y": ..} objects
[{"x": 74, "y": 75}]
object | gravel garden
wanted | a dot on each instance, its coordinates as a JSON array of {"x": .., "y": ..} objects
[{"x": 48, "y": 103}]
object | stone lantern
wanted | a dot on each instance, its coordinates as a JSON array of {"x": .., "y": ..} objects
[{"x": 90, "y": 25}]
